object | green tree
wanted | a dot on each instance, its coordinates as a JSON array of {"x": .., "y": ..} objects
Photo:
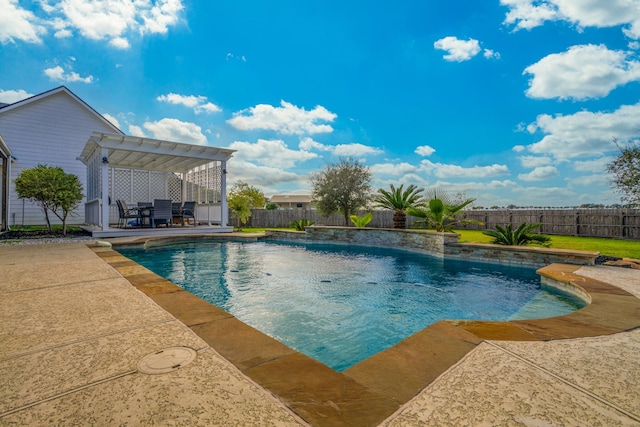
[
  {"x": 521, "y": 236},
  {"x": 342, "y": 187},
  {"x": 399, "y": 201},
  {"x": 440, "y": 213},
  {"x": 242, "y": 198},
  {"x": 271, "y": 206},
  {"x": 53, "y": 189},
  {"x": 625, "y": 169}
]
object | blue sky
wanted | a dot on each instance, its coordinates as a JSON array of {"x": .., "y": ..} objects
[{"x": 507, "y": 101}]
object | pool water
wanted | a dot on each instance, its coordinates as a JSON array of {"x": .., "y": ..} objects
[{"x": 342, "y": 304}]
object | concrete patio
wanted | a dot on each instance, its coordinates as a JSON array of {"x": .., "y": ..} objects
[{"x": 78, "y": 320}]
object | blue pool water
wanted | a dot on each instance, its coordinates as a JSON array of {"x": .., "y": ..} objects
[{"x": 343, "y": 304}]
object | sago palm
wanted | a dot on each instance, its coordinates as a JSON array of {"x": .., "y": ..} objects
[
  {"x": 521, "y": 236},
  {"x": 440, "y": 212},
  {"x": 399, "y": 200}
]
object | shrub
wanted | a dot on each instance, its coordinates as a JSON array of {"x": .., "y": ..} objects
[
  {"x": 361, "y": 221},
  {"x": 301, "y": 224},
  {"x": 521, "y": 236}
]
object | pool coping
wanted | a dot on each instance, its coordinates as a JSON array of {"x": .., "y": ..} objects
[{"x": 374, "y": 389}]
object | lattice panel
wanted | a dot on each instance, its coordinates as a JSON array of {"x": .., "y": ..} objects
[
  {"x": 204, "y": 183},
  {"x": 157, "y": 185},
  {"x": 140, "y": 187},
  {"x": 122, "y": 187},
  {"x": 94, "y": 177},
  {"x": 175, "y": 187}
]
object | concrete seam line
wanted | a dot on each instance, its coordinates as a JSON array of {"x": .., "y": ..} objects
[
  {"x": 567, "y": 382},
  {"x": 87, "y": 338},
  {"x": 75, "y": 390}
]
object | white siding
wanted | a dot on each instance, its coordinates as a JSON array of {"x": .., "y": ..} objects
[{"x": 52, "y": 131}]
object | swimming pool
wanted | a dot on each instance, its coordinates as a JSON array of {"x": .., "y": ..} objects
[{"x": 342, "y": 304}]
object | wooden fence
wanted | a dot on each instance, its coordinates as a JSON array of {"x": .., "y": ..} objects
[{"x": 616, "y": 223}]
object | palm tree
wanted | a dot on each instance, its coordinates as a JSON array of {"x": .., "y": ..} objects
[
  {"x": 522, "y": 236},
  {"x": 440, "y": 212},
  {"x": 399, "y": 201}
]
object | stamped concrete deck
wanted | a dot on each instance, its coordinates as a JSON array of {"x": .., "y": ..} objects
[{"x": 77, "y": 320}]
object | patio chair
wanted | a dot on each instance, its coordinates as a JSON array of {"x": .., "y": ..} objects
[
  {"x": 162, "y": 212},
  {"x": 188, "y": 211},
  {"x": 125, "y": 213},
  {"x": 176, "y": 211}
]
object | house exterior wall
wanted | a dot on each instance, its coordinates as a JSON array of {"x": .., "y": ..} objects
[{"x": 52, "y": 130}]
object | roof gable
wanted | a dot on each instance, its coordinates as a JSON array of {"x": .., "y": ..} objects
[{"x": 60, "y": 90}]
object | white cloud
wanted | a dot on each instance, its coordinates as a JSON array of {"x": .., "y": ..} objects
[
  {"x": 541, "y": 173},
  {"x": 198, "y": 103},
  {"x": 274, "y": 153},
  {"x": 424, "y": 150},
  {"x": 454, "y": 171},
  {"x": 161, "y": 16},
  {"x": 347, "y": 150},
  {"x": 112, "y": 20},
  {"x": 519, "y": 148},
  {"x": 120, "y": 43},
  {"x": 176, "y": 130},
  {"x": 582, "y": 72},
  {"x": 596, "y": 165},
  {"x": 355, "y": 150},
  {"x": 112, "y": 119},
  {"x": 309, "y": 144},
  {"x": 11, "y": 96},
  {"x": 17, "y": 23},
  {"x": 286, "y": 119},
  {"x": 527, "y": 14},
  {"x": 589, "y": 181},
  {"x": 491, "y": 54},
  {"x": 585, "y": 134},
  {"x": 136, "y": 131},
  {"x": 395, "y": 169},
  {"x": 534, "y": 161},
  {"x": 57, "y": 73},
  {"x": 208, "y": 108},
  {"x": 262, "y": 177},
  {"x": 458, "y": 50},
  {"x": 236, "y": 57}
]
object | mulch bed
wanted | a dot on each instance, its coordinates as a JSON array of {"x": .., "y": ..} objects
[{"x": 41, "y": 234}]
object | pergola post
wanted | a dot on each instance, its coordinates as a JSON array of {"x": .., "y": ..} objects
[
  {"x": 223, "y": 195},
  {"x": 104, "y": 185},
  {"x": 5, "y": 180}
]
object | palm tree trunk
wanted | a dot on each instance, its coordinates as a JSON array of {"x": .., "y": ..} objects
[{"x": 399, "y": 219}]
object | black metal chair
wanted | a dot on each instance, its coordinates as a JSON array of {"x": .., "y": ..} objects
[
  {"x": 162, "y": 212},
  {"x": 125, "y": 213},
  {"x": 188, "y": 211}
]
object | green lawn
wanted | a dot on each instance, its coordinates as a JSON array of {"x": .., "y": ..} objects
[{"x": 611, "y": 247}]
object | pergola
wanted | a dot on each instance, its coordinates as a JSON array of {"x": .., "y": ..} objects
[{"x": 138, "y": 169}]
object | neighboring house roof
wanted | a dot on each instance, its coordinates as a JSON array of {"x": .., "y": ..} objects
[
  {"x": 284, "y": 198},
  {"x": 64, "y": 89}
]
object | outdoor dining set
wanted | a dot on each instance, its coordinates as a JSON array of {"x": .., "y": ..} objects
[{"x": 160, "y": 212}]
